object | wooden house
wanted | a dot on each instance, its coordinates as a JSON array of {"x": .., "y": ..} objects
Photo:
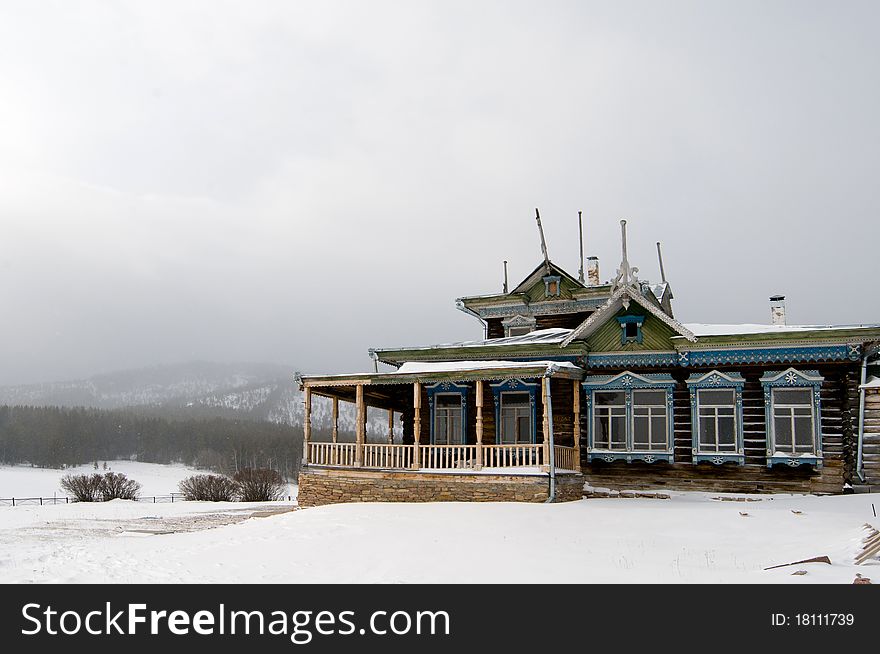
[{"x": 577, "y": 381}]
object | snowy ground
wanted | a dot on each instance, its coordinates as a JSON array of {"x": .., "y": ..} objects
[
  {"x": 688, "y": 538},
  {"x": 154, "y": 478}
]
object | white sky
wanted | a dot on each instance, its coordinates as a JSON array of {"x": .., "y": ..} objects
[{"x": 296, "y": 182}]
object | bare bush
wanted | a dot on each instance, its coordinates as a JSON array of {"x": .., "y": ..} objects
[
  {"x": 259, "y": 484},
  {"x": 83, "y": 488},
  {"x": 209, "y": 488},
  {"x": 116, "y": 486}
]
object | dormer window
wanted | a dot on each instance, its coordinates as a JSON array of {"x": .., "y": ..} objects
[
  {"x": 551, "y": 285},
  {"x": 631, "y": 329},
  {"x": 518, "y": 325}
]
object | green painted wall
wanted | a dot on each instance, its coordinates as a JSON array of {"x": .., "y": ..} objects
[{"x": 655, "y": 334}]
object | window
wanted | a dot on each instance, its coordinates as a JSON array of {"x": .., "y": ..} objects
[
  {"x": 792, "y": 401},
  {"x": 448, "y": 420},
  {"x": 630, "y": 329},
  {"x": 515, "y": 411},
  {"x": 716, "y": 417},
  {"x": 649, "y": 420},
  {"x": 609, "y": 420},
  {"x": 516, "y": 418},
  {"x": 793, "y": 421},
  {"x": 551, "y": 285},
  {"x": 630, "y": 417},
  {"x": 447, "y": 402},
  {"x": 518, "y": 325},
  {"x": 717, "y": 420}
]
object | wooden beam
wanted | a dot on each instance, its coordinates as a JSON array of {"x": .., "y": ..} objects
[
  {"x": 307, "y": 423},
  {"x": 546, "y": 425},
  {"x": 417, "y": 423},
  {"x": 335, "y": 419},
  {"x": 390, "y": 426},
  {"x": 360, "y": 427},
  {"x": 479, "y": 465}
]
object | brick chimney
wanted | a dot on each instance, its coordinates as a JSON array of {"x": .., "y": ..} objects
[
  {"x": 777, "y": 309},
  {"x": 593, "y": 271}
]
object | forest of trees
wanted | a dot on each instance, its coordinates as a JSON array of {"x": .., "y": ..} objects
[{"x": 57, "y": 437}]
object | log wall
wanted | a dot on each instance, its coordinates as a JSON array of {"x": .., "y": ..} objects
[
  {"x": 839, "y": 423},
  {"x": 871, "y": 442}
]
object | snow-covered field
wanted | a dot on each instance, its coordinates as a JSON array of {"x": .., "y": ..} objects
[
  {"x": 688, "y": 538},
  {"x": 154, "y": 478}
]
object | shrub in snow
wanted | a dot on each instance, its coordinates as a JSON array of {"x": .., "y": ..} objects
[
  {"x": 116, "y": 486},
  {"x": 259, "y": 484},
  {"x": 209, "y": 488},
  {"x": 83, "y": 488},
  {"x": 96, "y": 488}
]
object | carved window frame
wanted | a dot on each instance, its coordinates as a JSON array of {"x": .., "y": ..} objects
[
  {"x": 518, "y": 322},
  {"x": 630, "y": 382},
  {"x": 793, "y": 378},
  {"x": 448, "y": 388},
  {"x": 515, "y": 386},
  {"x": 716, "y": 380}
]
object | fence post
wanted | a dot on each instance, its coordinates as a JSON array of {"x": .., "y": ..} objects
[{"x": 13, "y": 501}]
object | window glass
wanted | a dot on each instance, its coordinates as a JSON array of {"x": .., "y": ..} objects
[
  {"x": 516, "y": 418},
  {"x": 447, "y": 419},
  {"x": 793, "y": 421},
  {"x": 716, "y": 411}
]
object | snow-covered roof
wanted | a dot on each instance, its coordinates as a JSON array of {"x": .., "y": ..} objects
[
  {"x": 873, "y": 382},
  {"x": 537, "y": 337},
  {"x": 422, "y": 367},
  {"x": 702, "y": 329}
]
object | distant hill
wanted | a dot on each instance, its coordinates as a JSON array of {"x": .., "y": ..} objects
[{"x": 252, "y": 391}]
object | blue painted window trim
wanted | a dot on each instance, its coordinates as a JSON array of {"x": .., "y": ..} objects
[
  {"x": 628, "y": 381},
  {"x": 548, "y": 279},
  {"x": 793, "y": 378},
  {"x": 515, "y": 386},
  {"x": 716, "y": 380},
  {"x": 449, "y": 388},
  {"x": 628, "y": 320}
]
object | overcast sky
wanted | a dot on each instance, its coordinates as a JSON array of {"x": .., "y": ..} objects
[{"x": 298, "y": 181}]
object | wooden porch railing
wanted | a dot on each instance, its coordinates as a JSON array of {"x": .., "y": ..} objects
[
  {"x": 512, "y": 456},
  {"x": 332, "y": 454},
  {"x": 388, "y": 456},
  {"x": 564, "y": 458},
  {"x": 439, "y": 457},
  {"x": 448, "y": 457}
]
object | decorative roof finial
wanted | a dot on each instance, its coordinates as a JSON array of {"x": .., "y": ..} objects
[{"x": 626, "y": 274}]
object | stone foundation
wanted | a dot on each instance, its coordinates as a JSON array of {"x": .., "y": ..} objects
[{"x": 319, "y": 486}]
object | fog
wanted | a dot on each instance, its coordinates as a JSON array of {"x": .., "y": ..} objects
[{"x": 296, "y": 182}]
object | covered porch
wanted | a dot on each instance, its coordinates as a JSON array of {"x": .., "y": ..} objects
[{"x": 479, "y": 417}]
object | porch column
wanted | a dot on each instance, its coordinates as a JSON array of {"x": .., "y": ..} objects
[
  {"x": 390, "y": 426},
  {"x": 479, "y": 465},
  {"x": 576, "y": 388},
  {"x": 360, "y": 427},
  {"x": 417, "y": 423},
  {"x": 335, "y": 419},
  {"x": 307, "y": 423},
  {"x": 546, "y": 448}
]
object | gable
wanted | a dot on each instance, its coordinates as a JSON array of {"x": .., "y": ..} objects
[
  {"x": 537, "y": 292},
  {"x": 533, "y": 285},
  {"x": 656, "y": 335}
]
